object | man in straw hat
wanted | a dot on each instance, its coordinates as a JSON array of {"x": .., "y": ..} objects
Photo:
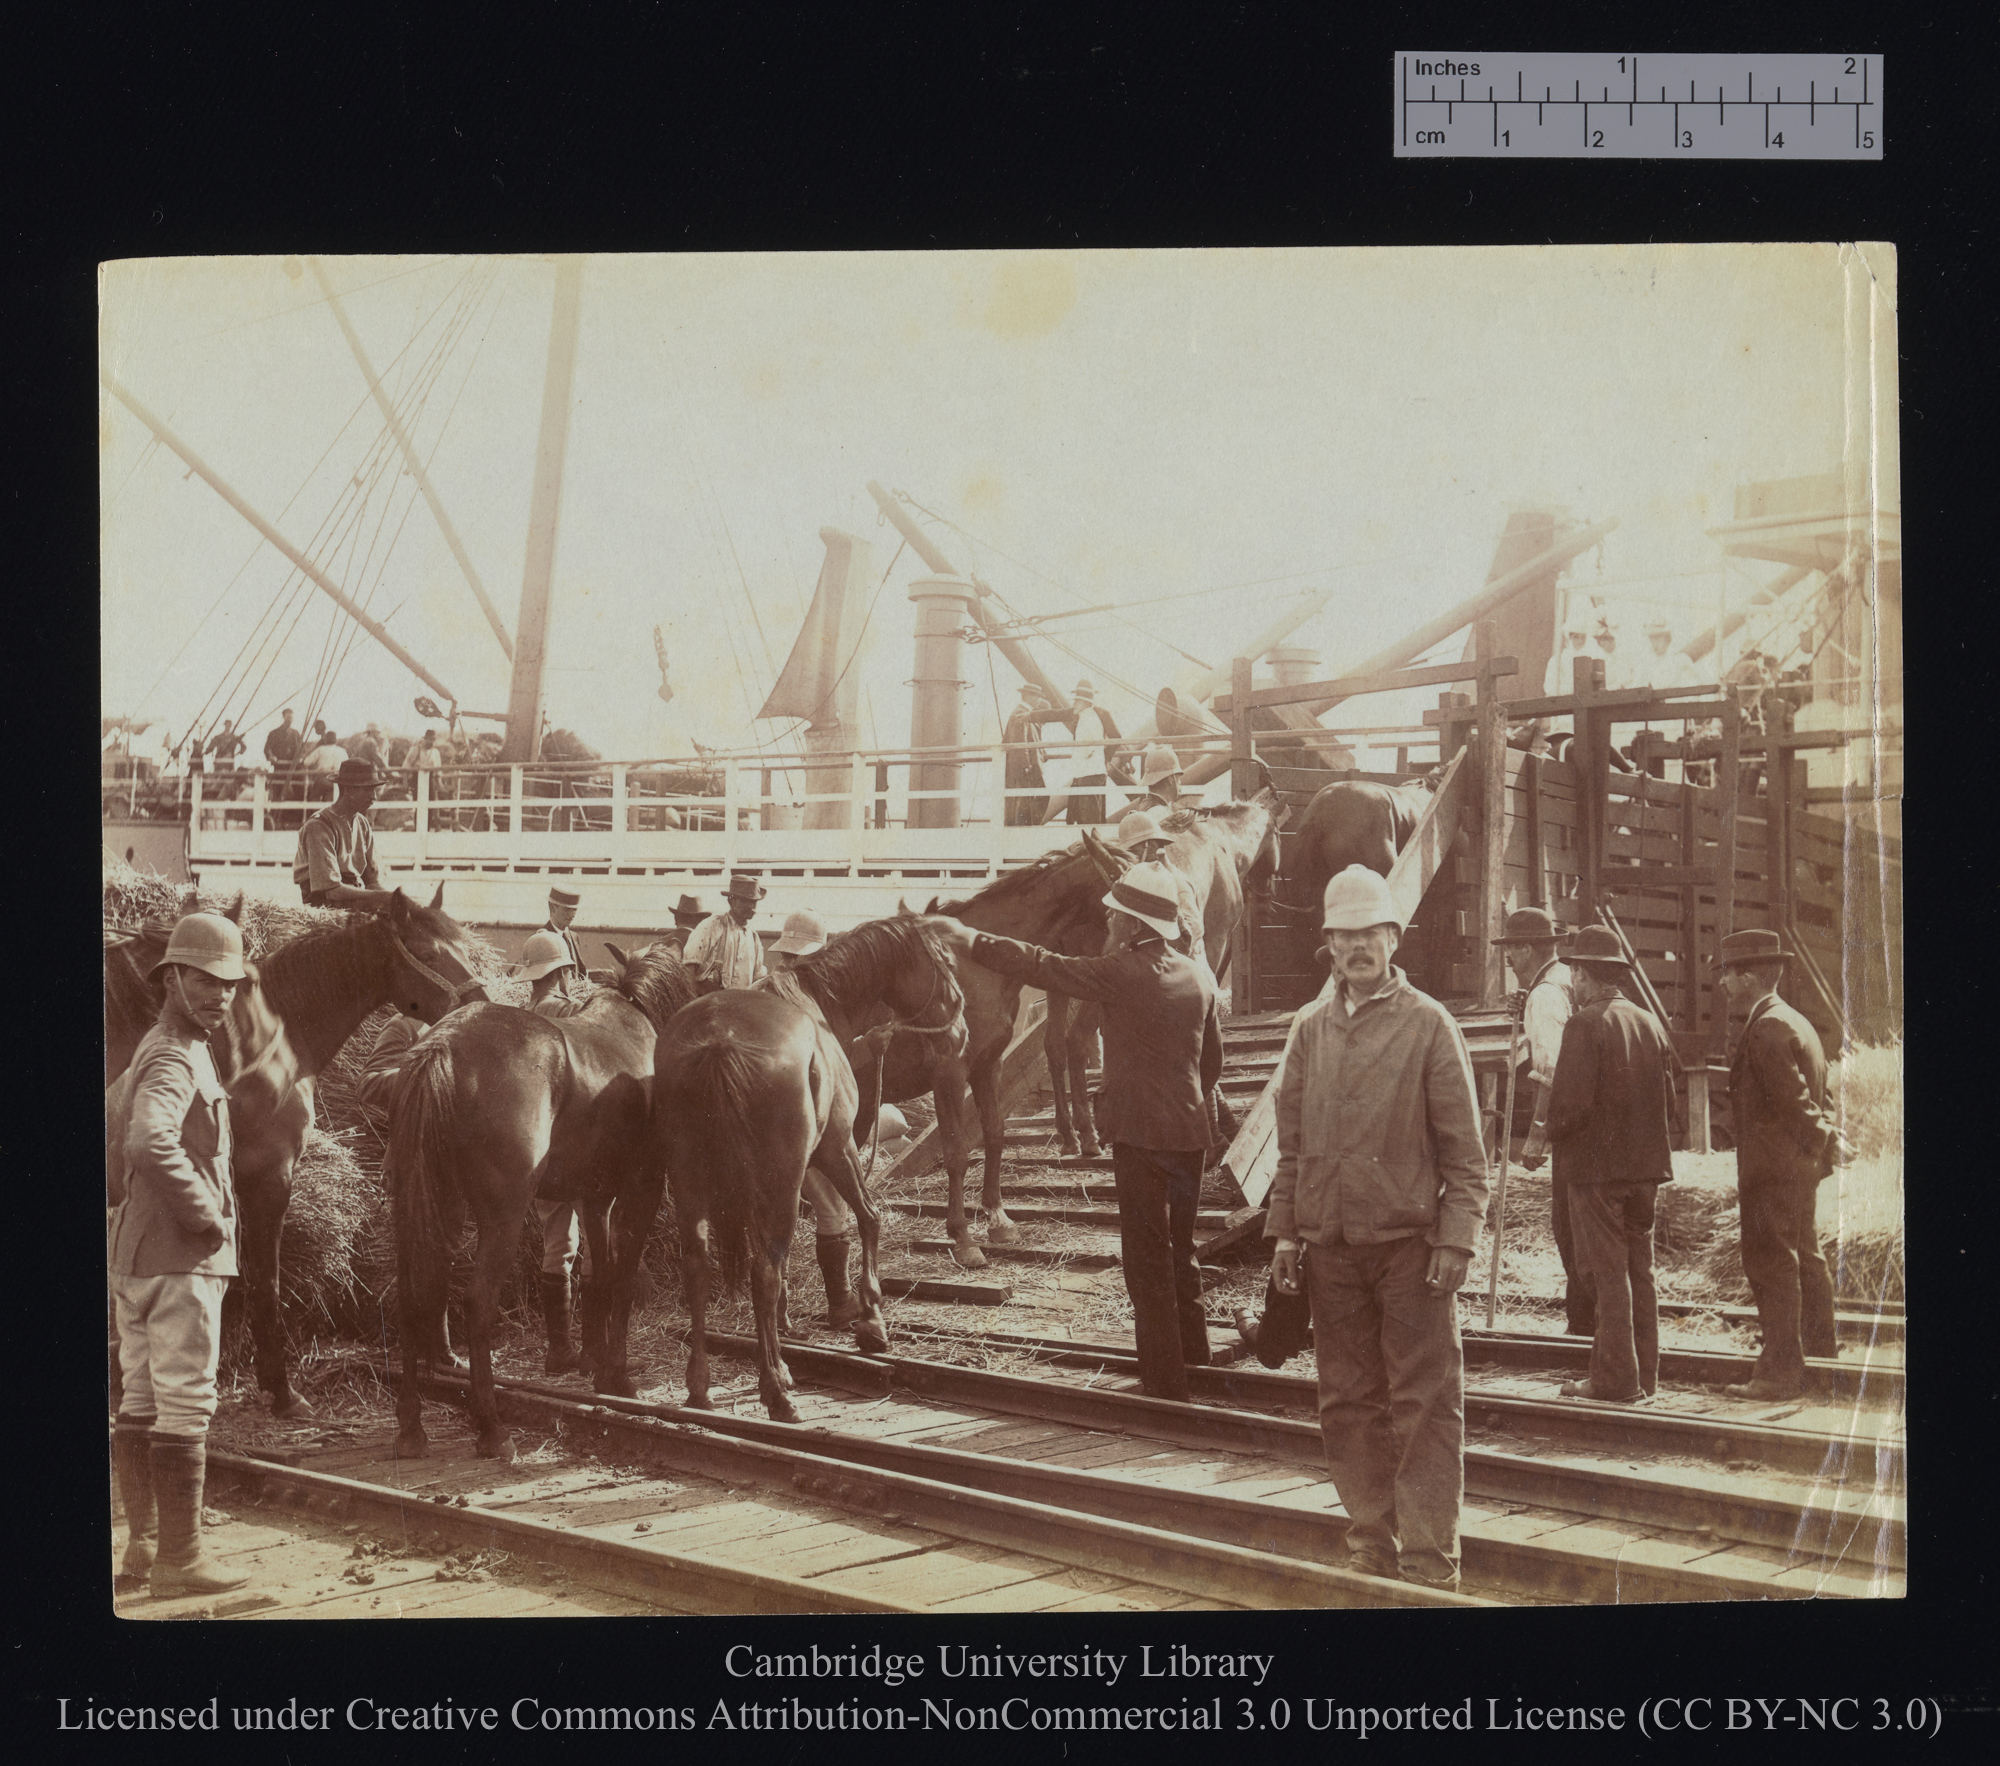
[
  {"x": 1786, "y": 1141},
  {"x": 722, "y": 950},
  {"x": 1024, "y": 760},
  {"x": 334, "y": 866},
  {"x": 1162, "y": 1055},
  {"x": 1382, "y": 1171},
  {"x": 173, "y": 1251},
  {"x": 1531, "y": 941},
  {"x": 1610, "y": 1117},
  {"x": 1088, "y": 761}
]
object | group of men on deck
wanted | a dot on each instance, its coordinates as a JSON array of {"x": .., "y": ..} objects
[{"x": 1058, "y": 779}]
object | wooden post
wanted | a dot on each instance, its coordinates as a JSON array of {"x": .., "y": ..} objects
[
  {"x": 1727, "y": 784},
  {"x": 1451, "y": 730},
  {"x": 423, "y": 813},
  {"x": 620, "y": 808},
  {"x": 1699, "y": 1139},
  {"x": 1242, "y": 745},
  {"x": 1593, "y": 740},
  {"x": 1538, "y": 869},
  {"x": 1690, "y": 951},
  {"x": 1486, "y": 953},
  {"x": 1778, "y": 762}
]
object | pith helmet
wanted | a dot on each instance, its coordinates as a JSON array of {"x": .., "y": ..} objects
[
  {"x": 1356, "y": 899},
  {"x": 804, "y": 933},
  {"x": 544, "y": 953},
  {"x": 1140, "y": 824},
  {"x": 1160, "y": 762},
  {"x": 1148, "y": 894},
  {"x": 207, "y": 942}
]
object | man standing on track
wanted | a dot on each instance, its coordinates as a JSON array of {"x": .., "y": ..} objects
[
  {"x": 335, "y": 864},
  {"x": 1786, "y": 1142},
  {"x": 1382, "y": 1172},
  {"x": 1610, "y": 1117},
  {"x": 1162, "y": 1055},
  {"x": 173, "y": 1251},
  {"x": 722, "y": 950}
]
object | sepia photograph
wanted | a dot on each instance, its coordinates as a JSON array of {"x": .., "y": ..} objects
[{"x": 975, "y": 932}]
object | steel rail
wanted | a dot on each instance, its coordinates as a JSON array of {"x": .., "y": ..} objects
[
  {"x": 783, "y": 1456},
  {"x": 1664, "y": 1497},
  {"x": 1554, "y": 1571}
]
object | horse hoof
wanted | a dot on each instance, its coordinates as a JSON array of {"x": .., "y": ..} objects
[
  {"x": 701, "y": 1401},
  {"x": 967, "y": 1255},
  {"x": 412, "y": 1444},
  {"x": 1000, "y": 1230},
  {"x": 290, "y": 1404},
  {"x": 500, "y": 1448},
  {"x": 1066, "y": 1149},
  {"x": 1091, "y": 1150},
  {"x": 616, "y": 1381},
  {"x": 783, "y": 1374},
  {"x": 870, "y": 1337},
  {"x": 782, "y": 1409}
]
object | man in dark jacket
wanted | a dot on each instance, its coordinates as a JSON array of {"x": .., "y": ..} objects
[
  {"x": 1024, "y": 764},
  {"x": 1785, "y": 1143},
  {"x": 1162, "y": 1056},
  {"x": 1610, "y": 1122}
]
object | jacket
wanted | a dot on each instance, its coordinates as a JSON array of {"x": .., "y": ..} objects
[
  {"x": 1162, "y": 1035},
  {"x": 1778, "y": 1099},
  {"x": 177, "y": 1189},
  {"x": 1611, "y": 1110},
  {"x": 1378, "y": 1125}
]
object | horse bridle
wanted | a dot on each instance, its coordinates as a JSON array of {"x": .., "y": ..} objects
[{"x": 454, "y": 990}]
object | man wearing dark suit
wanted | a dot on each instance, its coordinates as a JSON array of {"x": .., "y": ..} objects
[
  {"x": 1024, "y": 764},
  {"x": 1785, "y": 1143},
  {"x": 1610, "y": 1123},
  {"x": 1162, "y": 1056}
]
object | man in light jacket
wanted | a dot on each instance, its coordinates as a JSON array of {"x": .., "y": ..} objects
[{"x": 1382, "y": 1172}]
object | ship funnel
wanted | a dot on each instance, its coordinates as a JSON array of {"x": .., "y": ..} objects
[{"x": 944, "y": 608}]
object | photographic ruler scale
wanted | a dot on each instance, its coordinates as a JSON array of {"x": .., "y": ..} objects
[{"x": 1612, "y": 106}]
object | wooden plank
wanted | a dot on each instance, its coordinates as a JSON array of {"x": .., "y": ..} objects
[
  {"x": 1245, "y": 1161},
  {"x": 1429, "y": 844}
]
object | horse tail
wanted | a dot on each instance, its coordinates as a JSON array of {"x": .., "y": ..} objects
[
  {"x": 417, "y": 1165},
  {"x": 718, "y": 1081}
]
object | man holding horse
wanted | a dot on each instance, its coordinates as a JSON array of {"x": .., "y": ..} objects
[
  {"x": 1162, "y": 1056},
  {"x": 173, "y": 1252},
  {"x": 722, "y": 950},
  {"x": 1382, "y": 1171},
  {"x": 335, "y": 864}
]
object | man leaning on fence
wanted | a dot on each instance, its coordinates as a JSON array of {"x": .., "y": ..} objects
[{"x": 1379, "y": 1194}]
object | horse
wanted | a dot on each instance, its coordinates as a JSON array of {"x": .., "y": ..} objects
[
  {"x": 1061, "y": 894},
  {"x": 752, "y": 1087},
  {"x": 1228, "y": 853},
  {"x": 305, "y": 999},
  {"x": 500, "y": 1104}
]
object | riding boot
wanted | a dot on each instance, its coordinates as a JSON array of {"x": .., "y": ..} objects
[
  {"x": 586, "y": 1354},
  {"x": 131, "y": 1453},
  {"x": 562, "y": 1355},
  {"x": 842, "y": 1307},
  {"x": 179, "y": 1465}
]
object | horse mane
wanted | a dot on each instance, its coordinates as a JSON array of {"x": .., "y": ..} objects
[
  {"x": 1009, "y": 884},
  {"x": 853, "y": 961},
  {"x": 658, "y": 982}
]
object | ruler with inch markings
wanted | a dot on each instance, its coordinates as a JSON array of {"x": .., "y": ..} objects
[{"x": 1637, "y": 106}]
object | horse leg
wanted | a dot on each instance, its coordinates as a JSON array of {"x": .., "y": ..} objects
[
  {"x": 263, "y": 1192},
  {"x": 842, "y": 1168},
  {"x": 950, "y": 1098},
  {"x": 637, "y": 1207},
  {"x": 694, "y": 1278},
  {"x": 767, "y": 1283},
  {"x": 411, "y": 1442},
  {"x": 1055, "y": 1049},
  {"x": 1083, "y": 1032},
  {"x": 986, "y": 1094},
  {"x": 495, "y": 1257},
  {"x": 597, "y": 1294}
]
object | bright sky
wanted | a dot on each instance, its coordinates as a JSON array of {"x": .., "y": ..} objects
[{"x": 1109, "y": 427}]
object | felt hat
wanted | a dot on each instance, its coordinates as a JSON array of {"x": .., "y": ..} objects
[
  {"x": 1138, "y": 825},
  {"x": 689, "y": 908},
  {"x": 207, "y": 942},
  {"x": 1158, "y": 762},
  {"x": 564, "y": 898},
  {"x": 804, "y": 933},
  {"x": 744, "y": 886},
  {"x": 1531, "y": 926},
  {"x": 1356, "y": 899},
  {"x": 357, "y": 772},
  {"x": 541, "y": 955},
  {"x": 1596, "y": 944},
  {"x": 1754, "y": 946},
  {"x": 1147, "y": 893}
]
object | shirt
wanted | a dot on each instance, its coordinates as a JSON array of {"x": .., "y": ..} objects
[
  {"x": 174, "y": 1191},
  {"x": 1378, "y": 1124},
  {"x": 326, "y": 758},
  {"x": 281, "y": 746},
  {"x": 1090, "y": 729},
  {"x": 335, "y": 848},
  {"x": 719, "y": 946},
  {"x": 1548, "y": 1009}
]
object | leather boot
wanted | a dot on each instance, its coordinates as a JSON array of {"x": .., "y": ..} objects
[
  {"x": 562, "y": 1355},
  {"x": 180, "y": 1470},
  {"x": 131, "y": 1453},
  {"x": 842, "y": 1306}
]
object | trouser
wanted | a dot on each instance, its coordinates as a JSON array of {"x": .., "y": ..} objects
[
  {"x": 1391, "y": 1401},
  {"x": 1579, "y": 1303},
  {"x": 1085, "y": 808},
  {"x": 169, "y": 1340},
  {"x": 1787, "y": 1275},
  {"x": 1025, "y": 812},
  {"x": 562, "y": 1240},
  {"x": 1613, "y": 1223},
  {"x": 1158, "y": 1191},
  {"x": 831, "y": 1215}
]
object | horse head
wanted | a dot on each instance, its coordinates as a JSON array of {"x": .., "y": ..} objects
[
  {"x": 654, "y": 979},
  {"x": 1111, "y": 860},
  {"x": 432, "y": 969}
]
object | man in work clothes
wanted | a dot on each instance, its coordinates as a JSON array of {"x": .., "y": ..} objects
[
  {"x": 1786, "y": 1142},
  {"x": 1382, "y": 1171},
  {"x": 1531, "y": 941},
  {"x": 1610, "y": 1118},
  {"x": 1162, "y": 1055},
  {"x": 335, "y": 864},
  {"x": 173, "y": 1250},
  {"x": 688, "y": 915},
  {"x": 282, "y": 746},
  {"x": 1024, "y": 763},
  {"x": 722, "y": 950}
]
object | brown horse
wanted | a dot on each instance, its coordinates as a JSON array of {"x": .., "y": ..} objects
[
  {"x": 498, "y": 1105},
  {"x": 306, "y": 999},
  {"x": 753, "y": 1087},
  {"x": 1060, "y": 895},
  {"x": 1228, "y": 852}
]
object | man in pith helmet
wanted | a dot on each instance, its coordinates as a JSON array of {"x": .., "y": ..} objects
[
  {"x": 1160, "y": 773},
  {"x": 1379, "y": 1193},
  {"x": 173, "y": 1252}
]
